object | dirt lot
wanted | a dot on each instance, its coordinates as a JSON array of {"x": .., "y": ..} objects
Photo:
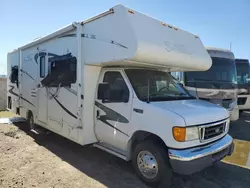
[{"x": 28, "y": 160}]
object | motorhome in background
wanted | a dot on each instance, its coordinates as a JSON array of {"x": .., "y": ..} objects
[
  {"x": 104, "y": 82},
  {"x": 3, "y": 92},
  {"x": 243, "y": 84},
  {"x": 216, "y": 85}
]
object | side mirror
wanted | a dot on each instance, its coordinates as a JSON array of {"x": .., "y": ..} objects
[{"x": 102, "y": 90}]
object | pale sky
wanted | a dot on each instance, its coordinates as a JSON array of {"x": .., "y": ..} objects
[{"x": 217, "y": 22}]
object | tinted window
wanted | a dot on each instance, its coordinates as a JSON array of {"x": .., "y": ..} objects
[
  {"x": 176, "y": 75},
  {"x": 117, "y": 85},
  {"x": 156, "y": 85},
  {"x": 42, "y": 67},
  {"x": 222, "y": 74},
  {"x": 242, "y": 73},
  {"x": 14, "y": 75},
  {"x": 62, "y": 71}
]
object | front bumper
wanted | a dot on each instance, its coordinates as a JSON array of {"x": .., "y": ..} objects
[
  {"x": 244, "y": 102},
  {"x": 188, "y": 161}
]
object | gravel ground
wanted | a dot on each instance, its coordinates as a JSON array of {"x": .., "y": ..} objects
[{"x": 28, "y": 160}]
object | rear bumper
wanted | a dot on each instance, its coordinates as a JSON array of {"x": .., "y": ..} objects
[{"x": 193, "y": 160}]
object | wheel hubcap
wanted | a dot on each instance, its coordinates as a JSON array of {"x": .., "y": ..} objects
[{"x": 147, "y": 164}]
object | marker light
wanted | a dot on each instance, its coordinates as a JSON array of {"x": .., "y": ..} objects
[
  {"x": 182, "y": 134},
  {"x": 131, "y": 11},
  {"x": 179, "y": 133}
]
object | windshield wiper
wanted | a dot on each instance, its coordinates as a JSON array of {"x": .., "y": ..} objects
[
  {"x": 185, "y": 96},
  {"x": 181, "y": 94}
]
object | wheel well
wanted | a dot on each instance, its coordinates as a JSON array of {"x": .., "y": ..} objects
[{"x": 140, "y": 136}]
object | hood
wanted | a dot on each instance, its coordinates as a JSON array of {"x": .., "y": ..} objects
[{"x": 194, "y": 112}]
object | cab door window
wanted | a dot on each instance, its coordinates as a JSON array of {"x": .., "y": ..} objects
[{"x": 118, "y": 90}]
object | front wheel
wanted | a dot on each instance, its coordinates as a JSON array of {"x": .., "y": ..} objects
[{"x": 150, "y": 161}]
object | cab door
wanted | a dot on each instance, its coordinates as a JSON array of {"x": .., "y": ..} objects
[{"x": 113, "y": 114}]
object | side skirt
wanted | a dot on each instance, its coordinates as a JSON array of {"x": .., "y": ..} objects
[{"x": 109, "y": 150}]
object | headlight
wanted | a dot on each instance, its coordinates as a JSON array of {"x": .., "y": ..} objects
[
  {"x": 227, "y": 126},
  {"x": 182, "y": 134},
  {"x": 192, "y": 133}
]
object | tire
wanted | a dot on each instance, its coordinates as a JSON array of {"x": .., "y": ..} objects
[
  {"x": 163, "y": 168},
  {"x": 30, "y": 121},
  {"x": 240, "y": 112}
]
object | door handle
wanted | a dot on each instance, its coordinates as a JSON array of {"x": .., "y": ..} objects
[
  {"x": 38, "y": 85},
  {"x": 97, "y": 114}
]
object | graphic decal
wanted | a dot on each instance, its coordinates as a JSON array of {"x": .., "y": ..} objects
[
  {"x": 94, "y": 37},
  {"x": 64, "y": 108},
  {"x": 25, "y": 72},
  {"x": 112, "y": 116},
  {"x": 13, "y": 93},
  {"x": 37, "y": 55}
]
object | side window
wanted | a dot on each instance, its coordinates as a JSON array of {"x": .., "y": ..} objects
[
  {"x": 66, "y": 69},
  {"x": 62, "y": 71},
  {"x": 118, "y": 90},
  {"x": 176, "y": 75},
  {"x": 42, "y": 66},
  {"x": 14, "y": 75}
]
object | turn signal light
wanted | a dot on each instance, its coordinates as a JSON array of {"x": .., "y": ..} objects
[{"x": 179, "y": 134}]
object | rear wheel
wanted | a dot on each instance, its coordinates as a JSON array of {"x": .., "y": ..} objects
[
  {"x": 150, "y": 161},
  {"x": 30, "y": 121},
  {"x": 33, "y": 127}
]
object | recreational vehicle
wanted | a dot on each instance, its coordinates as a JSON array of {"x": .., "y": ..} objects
[
  {"x": 3, "y": 92},
  {"x": 216, "y": 85},
  {"x": 105, "y": 81},
  {"x": 243, "y": 84}
]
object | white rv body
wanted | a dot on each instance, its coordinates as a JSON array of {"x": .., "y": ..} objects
[
  {"x": 243, "y": 83},
  {"x": 102, "y": 48},
  {"x": 211, "y": 86}
]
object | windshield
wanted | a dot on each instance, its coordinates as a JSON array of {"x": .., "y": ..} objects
[
  {"x": 221, "y": 75},
  {"x": 153, "y": 85},
  {"x": 242, "y": 73}
]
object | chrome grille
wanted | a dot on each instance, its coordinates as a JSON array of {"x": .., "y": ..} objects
[{"x": 208, "y": 132}]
